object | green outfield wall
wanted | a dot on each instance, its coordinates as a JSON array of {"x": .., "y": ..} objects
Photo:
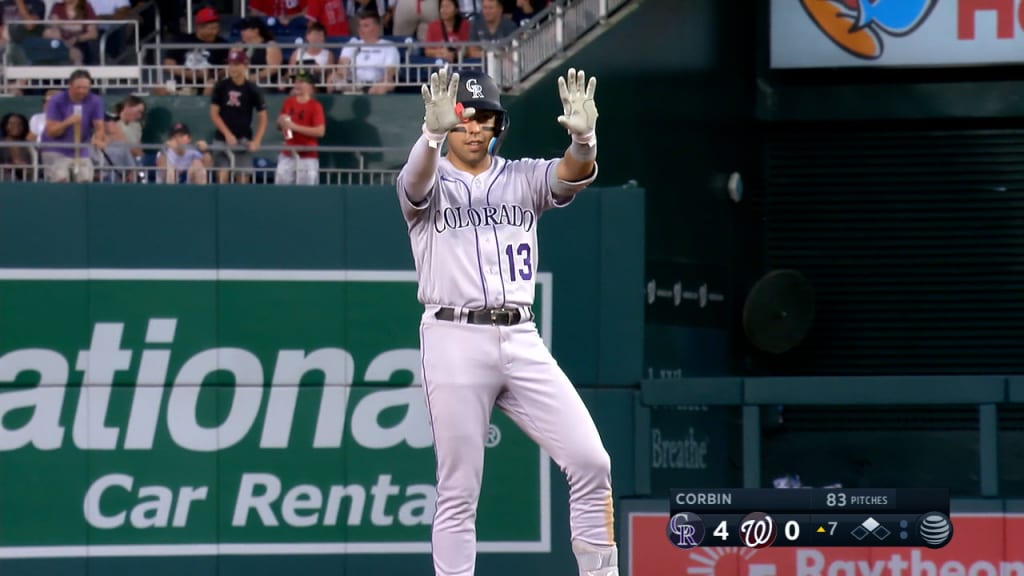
[{"x": 226, "y": 380}]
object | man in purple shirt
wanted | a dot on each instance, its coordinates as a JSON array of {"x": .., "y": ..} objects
[{"x": 73, "y": 117}]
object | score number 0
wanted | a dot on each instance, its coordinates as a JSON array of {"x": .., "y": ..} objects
[{"x": 791, "y": 530}]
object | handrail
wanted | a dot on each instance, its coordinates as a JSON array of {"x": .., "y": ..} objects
[
  {"x": 510, "y": 61},
  {"x": 360, "y": 174},
  {"x": 986, "y": 392},
  {"x": 102, "y": 40},
  {"x": 263, "y": 147}
]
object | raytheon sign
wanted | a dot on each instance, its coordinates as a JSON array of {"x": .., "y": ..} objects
[{"x": 878, "y": 33}]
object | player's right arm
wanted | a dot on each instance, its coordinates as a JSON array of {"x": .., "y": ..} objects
[
  {"x": 580, "y": 119},
  {"x": 420, "y": 172}
]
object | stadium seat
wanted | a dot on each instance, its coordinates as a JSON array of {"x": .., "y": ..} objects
[
  {"x": 265, "y": 168},
  {"x": 45, "y": 52},
  {"x": 148, "y": 164}
]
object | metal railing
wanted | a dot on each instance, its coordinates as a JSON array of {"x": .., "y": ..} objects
[
  {"x": 49, "y": 57},
  {"x": 548, "y": 34},
  {"x": 339, "y": 165},
  {"x": 51, "y": 31},
  {"x": 509, "y": 61},
  {"x": 413, "y": 69}
]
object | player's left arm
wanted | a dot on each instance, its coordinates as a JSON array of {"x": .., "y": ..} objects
[{"x": 578, "y": 167}]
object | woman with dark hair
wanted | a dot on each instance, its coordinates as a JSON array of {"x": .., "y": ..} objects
[
  {"x": 14, "y": 128},
  {"x": 264, "y": 53},
  {"x": 450, "y": 27},
  {"x": 124, "y": 134}
]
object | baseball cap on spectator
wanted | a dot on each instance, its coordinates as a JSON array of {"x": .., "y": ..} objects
[
  {"x": 238, "y": 57},
  {"x": 206, "y": 15},
  {"x": 180, "y": 128},
  {"x": 304, "y": 76}
]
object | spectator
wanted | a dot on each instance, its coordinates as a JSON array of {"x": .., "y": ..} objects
[
  {"x": 303, "y": 122},
  {"x": 491, "y": 26},
  {"x": 527, "y": 9},
  {"x": 381, "y": 7},
  {"x": 181, "y": 162},
  {"x": 22, "y": 13},
  {"x": 450, "y": 27},
  {"x": 13, "y": 55},
  {"x": 124, "y": 134},
  {"x": 117, "y": 34},
  {"x": 411, "y": 17},
  {"x": 37, "y": 123},
  {"x": 15, "y": 160},
  {"x": 263, "y": 52},
  {"x": 74, "y": 116},
  {"x": 281, "y": 10},
  {"x": 235, "y": 100},
  {"x": 201, "y": 65},
  {"x": 81, "y": 39},
  {"x": 330, "y": 14},
  {"x": 368, "y": 60},
  {"x": 313, "y": 60}
]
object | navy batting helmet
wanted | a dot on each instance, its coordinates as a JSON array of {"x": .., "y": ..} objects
[{"x": 477, "y": 90}]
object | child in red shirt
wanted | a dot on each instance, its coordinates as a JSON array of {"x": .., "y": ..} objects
[{"x": 303, "y": 123}]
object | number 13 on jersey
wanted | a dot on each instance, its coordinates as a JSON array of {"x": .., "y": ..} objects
[{"x": 520, "y": 267}]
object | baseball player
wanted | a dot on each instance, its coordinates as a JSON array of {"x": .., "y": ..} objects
[{"x": 472, "y": 220}]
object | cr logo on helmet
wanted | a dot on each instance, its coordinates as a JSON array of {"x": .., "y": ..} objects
[{"x": 475, "y": 89}]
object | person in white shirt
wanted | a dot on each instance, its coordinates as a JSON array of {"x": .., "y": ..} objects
[
  {"x": 181, "y": 162},
  {"x": 118, "y": 35},
  {"x": 37, "y": 123},
  {"x": 368, "y": 63}
]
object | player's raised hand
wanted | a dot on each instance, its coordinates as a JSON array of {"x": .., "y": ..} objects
[
  {"x": 580, "y": 111},
  {"x": 439, "y": 96}
]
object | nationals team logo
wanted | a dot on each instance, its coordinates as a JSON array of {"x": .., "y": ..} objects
[
  {"x": 857, "y": 26},
  {"x": 758, "y": 530}
]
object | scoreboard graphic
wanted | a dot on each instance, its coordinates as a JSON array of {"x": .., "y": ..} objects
[{"x": 813, "y": 517}]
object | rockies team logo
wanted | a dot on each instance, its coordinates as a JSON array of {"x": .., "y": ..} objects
[
  {"x": 685, "y": 530},
  {"x": 758, "y": 530},
  {"x": 475, "y": 89}
]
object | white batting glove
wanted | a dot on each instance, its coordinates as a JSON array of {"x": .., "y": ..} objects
[
  {"x": 439, "y": 97},
  {"x": 580, "y": 111}
]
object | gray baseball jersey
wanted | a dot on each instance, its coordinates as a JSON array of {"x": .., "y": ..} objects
[{"x": 474, "y": 239}]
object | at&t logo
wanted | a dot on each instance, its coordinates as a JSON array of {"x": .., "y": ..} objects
[{"x": 857, "y": 26}]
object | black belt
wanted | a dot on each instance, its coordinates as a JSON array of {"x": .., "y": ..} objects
[{"x": 491, "y": 317}]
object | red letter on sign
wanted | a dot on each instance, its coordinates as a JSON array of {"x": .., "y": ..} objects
[{"x": 1004, "y": 17}]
